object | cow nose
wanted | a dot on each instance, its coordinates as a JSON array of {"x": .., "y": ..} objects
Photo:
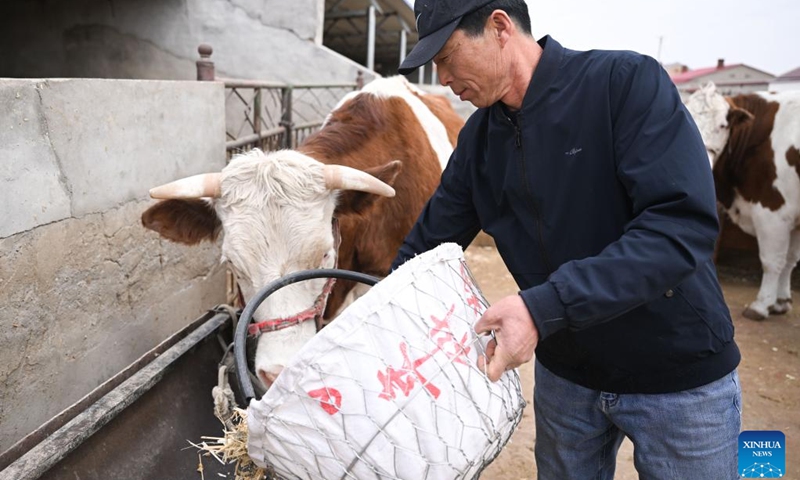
[{"x": 269, "y": 375}]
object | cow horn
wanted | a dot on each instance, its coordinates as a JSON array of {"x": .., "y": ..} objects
[
  {"x": 340, "y": 177},
  {"x": 197, "y": 186}
]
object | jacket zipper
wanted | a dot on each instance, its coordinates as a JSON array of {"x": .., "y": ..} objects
[{"x": 531, "y": 202}]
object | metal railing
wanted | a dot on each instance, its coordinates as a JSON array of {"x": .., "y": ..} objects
[{"x": 272, "y": 115}]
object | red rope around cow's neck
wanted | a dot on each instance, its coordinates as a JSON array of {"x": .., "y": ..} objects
[{"x": 308, "y": 314}]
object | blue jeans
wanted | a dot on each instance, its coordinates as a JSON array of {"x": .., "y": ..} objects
[{"x": 684, "y": 435}]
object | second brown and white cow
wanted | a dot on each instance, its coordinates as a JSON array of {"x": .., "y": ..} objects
[
  {"x": 372, "y": 166},
  {"x": 753, "y": 143}
]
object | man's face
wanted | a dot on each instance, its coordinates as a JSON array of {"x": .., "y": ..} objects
[{"x": 471, "y": 67}]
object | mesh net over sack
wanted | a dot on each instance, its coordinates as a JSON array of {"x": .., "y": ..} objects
[{"x": 391, "y": 389}]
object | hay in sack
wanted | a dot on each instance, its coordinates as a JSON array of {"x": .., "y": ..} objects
[{"x": 391, "y": 388}]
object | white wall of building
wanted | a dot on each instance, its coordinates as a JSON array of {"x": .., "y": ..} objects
[{"x": 785, "y": 86}]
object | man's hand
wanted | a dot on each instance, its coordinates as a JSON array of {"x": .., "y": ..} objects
[{"x": 515, "y": 336}]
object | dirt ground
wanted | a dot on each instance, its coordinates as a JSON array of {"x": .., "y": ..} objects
[{"x": 769, "y": 372}]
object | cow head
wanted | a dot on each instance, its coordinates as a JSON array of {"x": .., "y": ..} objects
[
  {"x": 716, "y": 116},
  {"x": 276, "y": 213}
]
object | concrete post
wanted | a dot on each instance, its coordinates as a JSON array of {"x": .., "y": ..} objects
[
  {"x": 421, "y": 75},
  {"x": 205, "y": 67}
]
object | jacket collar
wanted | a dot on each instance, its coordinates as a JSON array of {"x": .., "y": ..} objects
[
  {"x": 543, "y": 76},
  {"x": 546, "y": 71}
]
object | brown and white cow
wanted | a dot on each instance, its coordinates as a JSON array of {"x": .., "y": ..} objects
[
  {"x": 752, "y": 142},
  {"x": 275, "y": 211}
]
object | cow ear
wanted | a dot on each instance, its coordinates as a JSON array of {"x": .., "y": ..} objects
[
  {"x": 709, "y": 89},
  {"x": 355, "y": 202},
  {"x": 183, "y": 221},
  {"x": 740, "y": 126},
  {"x": 738, "y": 116}
]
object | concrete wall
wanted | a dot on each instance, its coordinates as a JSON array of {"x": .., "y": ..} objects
[
  {"x": 157, "y": 39},
  {"x": 84, "y": 288}
]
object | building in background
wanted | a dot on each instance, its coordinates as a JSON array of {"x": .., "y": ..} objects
[
  {"x": 788, "y": 81},
  {"x": 730, "y": 79},
  {"x": 303, "y": 41},
  {"x": 374, "y": 33},
  {"x": 675, "y": 68}
]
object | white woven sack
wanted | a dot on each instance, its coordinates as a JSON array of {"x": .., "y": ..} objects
[{"x": 391, "y": 389}]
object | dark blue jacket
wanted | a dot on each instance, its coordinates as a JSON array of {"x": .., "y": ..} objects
[{"x": 599, "y": 196}]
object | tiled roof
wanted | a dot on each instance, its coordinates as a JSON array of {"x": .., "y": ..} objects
[
  {"x": 789, "y": 76},
  {"x": 693, "y": 74}
]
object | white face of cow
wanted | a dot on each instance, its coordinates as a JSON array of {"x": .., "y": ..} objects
[
  {"x": 710, "y": 112},
  {"x": 276, "y": 214}
]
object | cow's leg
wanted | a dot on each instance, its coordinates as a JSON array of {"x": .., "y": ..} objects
[
  {"x": 784, "y": 300},
  {"x": 773, "y": 245}
]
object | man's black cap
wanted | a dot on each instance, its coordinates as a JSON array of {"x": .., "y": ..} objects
[{"x": 436, "y": 21}]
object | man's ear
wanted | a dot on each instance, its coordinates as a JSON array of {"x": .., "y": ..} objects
[
  {"x": 352, "y": 202},
  {"x": 501, "y": 26}
]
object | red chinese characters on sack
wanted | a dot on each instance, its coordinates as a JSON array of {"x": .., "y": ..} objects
[
  {"x": 406, "y": 377},
  {"x": 330, "y": 399},
  {"x": 446, "y": 341}
]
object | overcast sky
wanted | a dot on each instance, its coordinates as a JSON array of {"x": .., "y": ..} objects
[{"x": 764, "y": 34}]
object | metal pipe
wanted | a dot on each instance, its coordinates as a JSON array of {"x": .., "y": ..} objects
[
  {"x": 307, "y": 125},
  {"x": 48, "y": 428},
  {"x": 371, "y": 37},
  {"x": 257, "y": 111},
  {"x": 286, "y": 115},
  {"x": 56, "y": 447},
  {"x": 253, "y": 137},
  {"x": 241, "y": 83},
  {"x": 240, "y": 336},
  {"x": 350, "y": 85}
]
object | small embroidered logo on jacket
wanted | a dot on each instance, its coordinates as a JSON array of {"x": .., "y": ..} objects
[{"x": 574, "y": 151}]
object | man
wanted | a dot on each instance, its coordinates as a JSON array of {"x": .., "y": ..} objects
[{"x": 593, "y": 180}]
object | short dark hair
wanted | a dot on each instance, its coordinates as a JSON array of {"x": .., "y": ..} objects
[{"x": 473, "y": 23}]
